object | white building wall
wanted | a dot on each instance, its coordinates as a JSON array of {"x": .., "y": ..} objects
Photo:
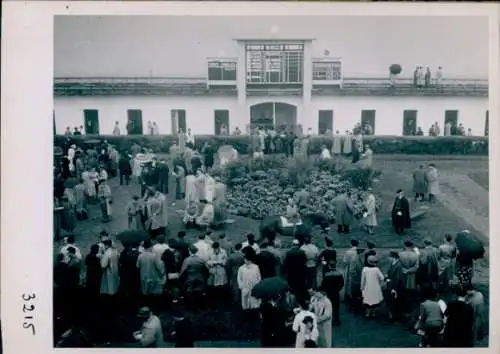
[
  {"x": 200, "y": 111},
  {"x": 389, "y": 112}
]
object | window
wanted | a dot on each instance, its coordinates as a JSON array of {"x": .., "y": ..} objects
[
  {"x": 327, "y": 69},
  {"x": 409, "y": 122},
  {"x": 221, "y": 70},
  {"x": 91, "y": 119},
  {"x": 134, "y": 122},
  {"x": 368, "y": 121},
  {"x": 325, "y": 121},
  {"x": 178, "y": 119},
  {"x": 487, "y": 123},
  {"x": 451, "y": 117},
  {"x": 274, "y": 63}
]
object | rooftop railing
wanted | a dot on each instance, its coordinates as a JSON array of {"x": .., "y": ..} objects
[{"x": 197, "y": 85}]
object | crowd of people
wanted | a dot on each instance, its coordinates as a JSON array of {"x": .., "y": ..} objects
[{"x": 160, "y": 274}]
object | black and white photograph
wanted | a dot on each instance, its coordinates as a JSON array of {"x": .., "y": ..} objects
[{"x": 267, "y": 181}]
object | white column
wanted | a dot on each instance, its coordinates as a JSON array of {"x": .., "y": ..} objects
[
  {"x": 306, "y": 118},
  {"x": 243, "y": 115}
]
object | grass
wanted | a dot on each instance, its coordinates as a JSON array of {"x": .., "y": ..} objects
[{"x": 355, "y": 332}]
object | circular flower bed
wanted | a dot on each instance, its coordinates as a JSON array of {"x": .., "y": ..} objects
[{"x": 259, "y": 189}]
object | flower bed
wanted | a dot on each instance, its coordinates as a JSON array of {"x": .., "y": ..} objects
[
  {"x": 261, "y": 188},
  {"x": 415, "y": 145}
]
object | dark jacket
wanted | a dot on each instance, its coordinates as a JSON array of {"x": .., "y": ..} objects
[
  {"x": 124, "y": 165},
  {"x": 403, "y": 206}
]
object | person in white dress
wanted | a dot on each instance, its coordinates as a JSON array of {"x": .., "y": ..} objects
[
  {"x": 371, "y": 286},
  {"x": 209, "y": 188},
  {"x": 305, "y": 326},
  {"x": 325, "y": 153},
  {"x": 248, "y": 277}
]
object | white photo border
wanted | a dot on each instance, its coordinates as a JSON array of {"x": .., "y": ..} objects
[{"x": 27, "y": 144}]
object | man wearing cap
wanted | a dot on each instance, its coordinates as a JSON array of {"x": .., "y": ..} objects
[
  {"x": 401, "y": 219},
  {"x": 151, "y": 334}
]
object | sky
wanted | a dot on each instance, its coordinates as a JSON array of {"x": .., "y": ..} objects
[{"x": 120, "y": 46}]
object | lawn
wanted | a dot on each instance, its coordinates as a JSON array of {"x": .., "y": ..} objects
[{"x": 355, "y": 332}]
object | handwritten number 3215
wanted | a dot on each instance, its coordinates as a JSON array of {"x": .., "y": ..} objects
[{"x": 27, "y": 308}]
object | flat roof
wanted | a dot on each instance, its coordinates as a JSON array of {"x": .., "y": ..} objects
[{"x": 273, "y": 39}]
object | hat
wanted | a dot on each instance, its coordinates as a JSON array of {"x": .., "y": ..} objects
[
  {"x": 427, "y": 242},
  {"x": 296, "y": 242},
  {"x": 399, "y": 190},
  {"x": 372, "y": 260}
]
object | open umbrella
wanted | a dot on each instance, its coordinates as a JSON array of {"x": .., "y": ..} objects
[
  {"x": 469, "y": 245},
  {"x": 130, "y": 237},
  {"x": 269, "y": 288}
]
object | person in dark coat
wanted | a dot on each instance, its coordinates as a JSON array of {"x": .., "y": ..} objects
[
  {"x": 129, "y": 288},
  {"x": 93, "y": 275},
  {"x": 273, "y": 325},
  {"x": 208, "y": 152},
  {"x": 333, "y": 282},
  {"x": 163, "y": 172},
  {"x": 344, "y": 212},
  {"x": 183, "y": 328},
  {"x": 267, "y": 262},
  {"x": 295, "y": 270},
  {"x": 370, "y": 251},
  {"x": 182, "y": 247},
  {"x": 395, "y": 287},
  {"x": 459, "y": 320},
  {"x": 125, "y": 169},
  {"x": 328, "y": 256},
  {"x": 401, "y": 219},
  {"x": 66, "y": 173},
  {"x": 420, "y": 183}
]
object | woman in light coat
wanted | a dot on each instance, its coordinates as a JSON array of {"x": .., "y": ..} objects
[
  {"x": 337, "y": 144},
  {"x": 371, "y": 286},
  {"x": 191, "y": 195},
  {"x": 248, "y": 277},
  {"x": 432, "y": 182},
  {"x": 322, "y": 308},
  {"x": 109, "y": 263},
  {"x": 209, "y": 188},
  {"x": 347, "y": 143},
  {"x": 370, "y": 214}
]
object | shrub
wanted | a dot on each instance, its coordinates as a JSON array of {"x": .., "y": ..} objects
[
  {"x": 263, "y": 191},
  {"x": 413, "y": 145}
]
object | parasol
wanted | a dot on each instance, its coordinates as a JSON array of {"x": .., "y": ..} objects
[
  {"x": 469, "y": 245},
  {"x": 131, "y": 237},
  {"x": 270, "y": 287}
]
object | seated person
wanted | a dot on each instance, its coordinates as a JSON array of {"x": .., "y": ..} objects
[
  {"x": 206, "y": 217},
  {"x": 292, "y": 214},
  {"x": 191, "y": 214}
]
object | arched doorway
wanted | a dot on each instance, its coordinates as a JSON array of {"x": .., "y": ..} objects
[{"x": 273, "y": 115}]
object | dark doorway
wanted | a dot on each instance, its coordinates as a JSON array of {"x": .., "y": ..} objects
[
  {"x": 134, "y": 122},
  {"x": 487, "y": 123},
  {"x": 269, "y": 115},
  {"x": 325, "y": 121},
  {"x": 54, "y": 121},
  {"x": 368, "y": 117},
  {"x": 91, "y": 118},
  {"x": 221, "y": 118},
  {"x": 410, "y": 122},
  {"x": 451, "y": 117},
  {"x": 178, "y": 120}
]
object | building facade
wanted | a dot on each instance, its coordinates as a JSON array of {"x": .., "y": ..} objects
[{"x": 270, "y": 83}]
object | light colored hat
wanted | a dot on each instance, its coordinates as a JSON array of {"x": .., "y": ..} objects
[
  {"x": 295, "y": 242},
  {"x": 372, "y": 260}
]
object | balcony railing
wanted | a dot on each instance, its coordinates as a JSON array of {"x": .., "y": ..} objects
[
  {"x": 196, "y": 85},
  {"x": 327, "y": 71},
  {"x": 221, "y": 71}
]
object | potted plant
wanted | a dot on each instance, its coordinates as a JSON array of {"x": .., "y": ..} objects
[{"x": 394, "y": 71}]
